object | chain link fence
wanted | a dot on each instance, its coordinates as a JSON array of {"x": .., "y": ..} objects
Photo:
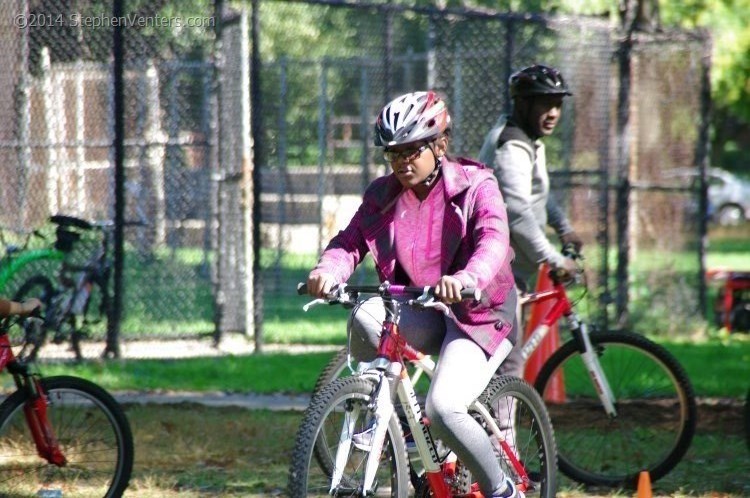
[
  {"x": 320, "y": 72},
  {"x": 639, "y": 111},
  {"x": 57, "y": 135}
]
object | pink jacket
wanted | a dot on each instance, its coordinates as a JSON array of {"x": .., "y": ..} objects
[{"x": 476, "y": 247}]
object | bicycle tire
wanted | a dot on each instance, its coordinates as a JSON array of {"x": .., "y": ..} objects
[
  {"x": 40, "y": 287},
  {"x": 336, "y": 368},
  {"x": 533, "y": 434},
  {"x": 656, "y": 411},
  {"x": 87, "y": 422},
  {"x": 353, "y": 396}
]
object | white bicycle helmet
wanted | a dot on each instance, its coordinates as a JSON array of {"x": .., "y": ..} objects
[{"x": 413, "y": 117}]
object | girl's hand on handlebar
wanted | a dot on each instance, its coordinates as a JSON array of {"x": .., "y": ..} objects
[
  {"x": 320, "y": 284},
  {"x": 448, "y": 289}
]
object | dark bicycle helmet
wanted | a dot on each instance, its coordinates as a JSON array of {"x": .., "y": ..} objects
[
  {"x": 537, "y": 80},
  {"x": 413, "y": 117}
]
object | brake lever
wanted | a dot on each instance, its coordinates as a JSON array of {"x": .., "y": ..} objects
[
  {"x": 314, "y": 302},
  {"x": 338, "y": 295},
  {"x": 426, "y": 301}
]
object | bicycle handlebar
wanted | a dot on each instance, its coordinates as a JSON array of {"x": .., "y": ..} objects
[{"x": 387, "y": 289}]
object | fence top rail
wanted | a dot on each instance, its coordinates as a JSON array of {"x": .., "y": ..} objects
[{"x": 474, "y": 12}]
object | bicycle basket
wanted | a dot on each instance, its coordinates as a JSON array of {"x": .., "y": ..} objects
[{"x": 65, "y": 239}]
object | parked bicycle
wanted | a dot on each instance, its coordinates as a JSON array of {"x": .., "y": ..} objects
[
  {"x": 348, "y": 406},
  {"x": 620, "y": 403},
  {"x": 59, "y": 436},
  {"x": 18, "y": 257},
  {"x": 67, "y": 301}
]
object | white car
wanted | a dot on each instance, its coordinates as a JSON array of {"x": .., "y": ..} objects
[{"x": 728, "y": 195}]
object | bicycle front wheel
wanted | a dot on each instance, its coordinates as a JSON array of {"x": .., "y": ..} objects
[
  {"x": 654, "y": 402},
  {"x": 93, "y": 434},
  {"x": 520, "y": 414},
  {"x": 346, "y": 400}
]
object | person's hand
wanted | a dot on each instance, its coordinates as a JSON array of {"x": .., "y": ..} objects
[
  {"x": 448, "y": 289},
  {"x": 567, "y": 270},
  {"x": 30, "y": 306},
  {"x": 320, "y": 284},
  {"x": 573, "y": 239}
]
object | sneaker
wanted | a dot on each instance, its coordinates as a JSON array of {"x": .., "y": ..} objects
[
  {"x": 363, "y": 440},
  {"x": 510, "y": 491}
]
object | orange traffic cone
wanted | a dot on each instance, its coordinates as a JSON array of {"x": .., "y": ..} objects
[
  {"x": 556, "y": 389},
  {"x": 644, "y": 486}
]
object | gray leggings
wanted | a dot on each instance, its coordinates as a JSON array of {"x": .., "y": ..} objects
[{"x": 462, "y": 374}]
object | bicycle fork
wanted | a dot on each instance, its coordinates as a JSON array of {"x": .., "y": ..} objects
[
  {"x": 589, "y": 356},
  {"x": 594, "y": 368},
  {"x": 35, "y": 412},
  {"x": 384, "y": 409}
]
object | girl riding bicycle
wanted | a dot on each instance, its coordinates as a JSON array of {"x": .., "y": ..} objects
[{"x": 440, "y": 221}]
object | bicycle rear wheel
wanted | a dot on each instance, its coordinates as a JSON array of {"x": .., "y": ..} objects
[
  {"x": 656, "y": 410},
  {"x": 93, "y": 433},
  {"x": 520, "y": 414},
  {"x": 346, "y": 398}
]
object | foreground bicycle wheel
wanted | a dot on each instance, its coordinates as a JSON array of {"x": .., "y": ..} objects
[
  {"x": 94, "y": 436},
  {"x": 656, "y": 411},
  {"x": 520, "y": 413},
  {"x": 348, "y": 398}
]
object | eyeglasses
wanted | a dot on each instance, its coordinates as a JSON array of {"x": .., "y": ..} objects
[{"x": 405, "y": 156}]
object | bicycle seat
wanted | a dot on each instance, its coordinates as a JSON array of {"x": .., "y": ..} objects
[{"x": 70, "y": 221}]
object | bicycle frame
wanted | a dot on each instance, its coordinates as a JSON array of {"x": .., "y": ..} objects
[
  {"x": 389, "y": 373},
  {"x": 562, "y": 307},
  {"x": 36, "y": 411}
]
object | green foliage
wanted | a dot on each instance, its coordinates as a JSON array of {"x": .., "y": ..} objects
[{"x": 729, "y": 24}]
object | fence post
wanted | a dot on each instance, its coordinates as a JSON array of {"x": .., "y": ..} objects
[
  {"x": 154, "y": 138},
  {"x": 623, "y": 179},
  {"x": 322, "y": 146},
  {"x": 80, "y": 127},
  {"x": 24, "y": 119},
  {"x": 702, "y": 160},
  {"x": 281, "y": 170},
  {"x": 51, "y": 114}
]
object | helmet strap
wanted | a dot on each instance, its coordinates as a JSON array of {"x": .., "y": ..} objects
[{"x": 435, "y": 172}]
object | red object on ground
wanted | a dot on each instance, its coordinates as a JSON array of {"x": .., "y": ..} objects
[
  {"x": 733, "y": 293},
  {"x": 556, "y": 390}
]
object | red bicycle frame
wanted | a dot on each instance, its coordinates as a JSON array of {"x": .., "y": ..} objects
[
  {"x": 35, "y": 409},
  {"x": 394, "y": 349}
]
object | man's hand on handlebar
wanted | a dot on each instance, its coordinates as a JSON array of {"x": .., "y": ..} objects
[
  {"x": 572, "y": 239},
  {"x": 567, "y": 271}
]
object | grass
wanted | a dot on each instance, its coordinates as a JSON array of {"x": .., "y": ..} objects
[
  {"x": 728, "y": 358},
  {"x": 196, "y": 451},
  {"x": 247, "y": 453}
]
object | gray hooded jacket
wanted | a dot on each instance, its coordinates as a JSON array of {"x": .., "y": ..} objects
[{"x": 521, "y": 170}]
